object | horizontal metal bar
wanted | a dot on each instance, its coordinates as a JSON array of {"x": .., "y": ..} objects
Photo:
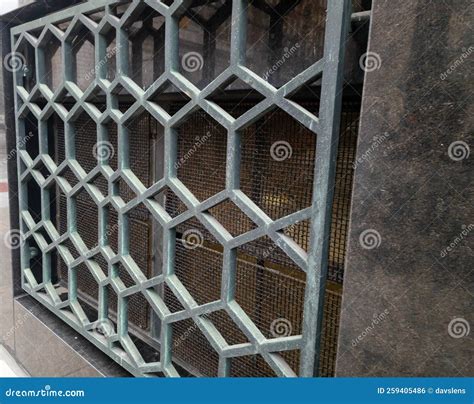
[
  {"x": 63, "y": 15},
  {"x": 361, "y": 16}
]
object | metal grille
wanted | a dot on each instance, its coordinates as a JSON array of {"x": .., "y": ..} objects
[
  {"x": 273, "y": 284},
  {"x": 87, "y": 212},
  {"x": 226, "y": 279},
  {"x": 269, "y": 285}
]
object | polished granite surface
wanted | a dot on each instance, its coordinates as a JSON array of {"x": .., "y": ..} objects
[
  {"x": 9, "y": 366},
  {"x": 409, "y": 282},
  {"x": 6, "y": 284},
  {"x": 57, "y": 349}
]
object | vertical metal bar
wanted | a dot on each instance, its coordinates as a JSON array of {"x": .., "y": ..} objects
[
  {"x": 122, "y": 317},
  {"x": 224, "y": 367},
  {"x": 122, "y": 52},
  {"x": 100, "y": 52},
  {"x": 229, "y": 271},
  {"x": 103, "y": 304},
  {"x": 22, "y": 188},
  {"x": 169, "y": 247},
  {"x": 169, "y": 170},
  {"x": 67, "y": 57},
  {"x": 238, "y": 32},
  {"x": 337, "y": 25},
  {"x": 157, "y": 172},
  {"x": 171, "y": 43}
]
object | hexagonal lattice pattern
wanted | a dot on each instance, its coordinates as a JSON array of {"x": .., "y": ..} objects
[{"x": 210, "y": 221}]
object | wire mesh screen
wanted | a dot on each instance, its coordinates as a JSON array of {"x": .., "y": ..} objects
[
  {"x": 87, "y": 212},
  {"x": 268, "y": 285},
  {"x": 271, "y": 184},
  {"x": 175, "y": 236}
]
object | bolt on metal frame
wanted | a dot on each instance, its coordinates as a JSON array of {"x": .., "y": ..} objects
[{"x": 314, "y": 263}]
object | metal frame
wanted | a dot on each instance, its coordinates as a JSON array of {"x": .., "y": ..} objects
[{"x": 325, "y": 126}]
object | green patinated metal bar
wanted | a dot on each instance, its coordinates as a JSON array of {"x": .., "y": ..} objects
[
  {"x": 313, "y": 263},
  {"x": 323, "y": 188}
]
